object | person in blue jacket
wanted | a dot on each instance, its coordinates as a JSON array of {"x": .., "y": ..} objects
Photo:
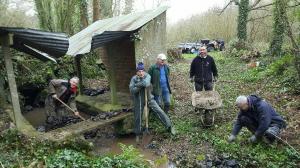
[{"x": 259, "y": 117}]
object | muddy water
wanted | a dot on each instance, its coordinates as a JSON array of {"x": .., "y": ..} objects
[
  {"x": 110, "y": 145},
  {"x": 106, "y": 142},
  {"x": 36, "y": 117}
]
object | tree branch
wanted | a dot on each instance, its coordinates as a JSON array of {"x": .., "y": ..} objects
[
  {"x": 225, "y": 7},
  {"x": 262, "y": 6},
  {"x": 289, "y": 32},
  {"x": 262, "y": 17},
  {"x": 255, "y": 4}
]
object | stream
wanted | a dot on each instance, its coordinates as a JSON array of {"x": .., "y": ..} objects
[{"x": 105, "y": 141}]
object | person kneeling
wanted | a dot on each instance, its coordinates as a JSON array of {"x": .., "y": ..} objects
[{"x": 259, "y": 117}]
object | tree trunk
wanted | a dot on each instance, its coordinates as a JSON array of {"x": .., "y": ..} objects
[
  {"x": 106, "y": 9},
  {"x": 279, "y": 26},
  {"x": 128, "y": 7},
  {"x": 242, "y": 20},
  {"x": 45, "y": 14},
  {"x": 294, "y": 42},
  {"x": 96, "y": 10},
  {"x": 58, "y": 16},
  {"x": 83, "y": 14},
  {"x": 117, "y": 8}
]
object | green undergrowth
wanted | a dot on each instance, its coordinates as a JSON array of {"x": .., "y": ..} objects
[
  {"x": 273, "y": 77},
  {"x": 20, "y": 151},
  {"x": 249, "y": 155}
]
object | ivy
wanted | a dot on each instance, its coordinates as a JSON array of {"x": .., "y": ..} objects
[
  {"x": 279, "y": 27},
  {"x": 242, "y": 20}
]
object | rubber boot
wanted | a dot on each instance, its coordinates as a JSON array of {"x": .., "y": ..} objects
[
  {"x": 172, "y": 130},
  {"x": 166, "y": 109}
]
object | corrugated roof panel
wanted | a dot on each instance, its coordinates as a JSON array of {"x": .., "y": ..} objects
[
  {"x": 54, "y": 44},
  {"x": 81, "y": 42},
  {"x": 42, "y": 44}
]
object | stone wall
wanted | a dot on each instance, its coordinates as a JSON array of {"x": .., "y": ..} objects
[
  {"x": 121, "y": 53},
  {"x": 151, "y": 41}
]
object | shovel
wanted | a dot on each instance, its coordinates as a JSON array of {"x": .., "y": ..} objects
[
  {"x": 146, "y": 113},
  {"x": 146, "y": 134},
  {"x": 69, "y": 108}
]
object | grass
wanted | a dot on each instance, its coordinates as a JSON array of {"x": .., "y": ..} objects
[
  {"x": 189, "y": 56},
  {"x": 234, "y": 79}
]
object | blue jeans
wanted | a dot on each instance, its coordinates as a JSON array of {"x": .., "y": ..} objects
[{"x": 165, "y": 96}]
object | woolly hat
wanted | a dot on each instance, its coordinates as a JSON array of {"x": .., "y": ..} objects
[{"x": 140, "y": 66}]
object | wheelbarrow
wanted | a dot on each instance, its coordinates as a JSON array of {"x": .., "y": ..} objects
[{"x": 206, "y": 104}]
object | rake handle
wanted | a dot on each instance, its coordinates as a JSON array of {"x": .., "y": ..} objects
[{"x": 69, "y": 108}]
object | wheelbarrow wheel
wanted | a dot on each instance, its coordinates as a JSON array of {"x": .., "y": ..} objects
[{"x": 208, "y": 118}]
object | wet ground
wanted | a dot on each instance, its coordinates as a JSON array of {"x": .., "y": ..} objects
[
  {"x": 106, "y": 142},
  {"x": 36, "y": 117}
]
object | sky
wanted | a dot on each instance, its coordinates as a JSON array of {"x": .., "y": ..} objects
[{"x": 180, "y": 9}]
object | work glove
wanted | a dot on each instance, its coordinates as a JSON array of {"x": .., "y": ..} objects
[
  {"x": 231, "y": 138},
  {"x": 54, "y": 96},
  {"x": 252, "y": 139},
  {"x": 191, "y": 79},
  {"x": 140, "y": 84}
]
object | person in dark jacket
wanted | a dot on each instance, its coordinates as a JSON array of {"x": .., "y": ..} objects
[
  {"x": 159, "y": 73},
  {"x": 259, "y": 117},
  {"x": 139, "y": 85},
  {"x": 203, "y": 71}
]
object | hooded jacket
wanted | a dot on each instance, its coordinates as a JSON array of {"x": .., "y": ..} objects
[{"x": 261, "y": 113}]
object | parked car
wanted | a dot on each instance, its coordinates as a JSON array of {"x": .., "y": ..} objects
[
  {"x": 215, "y": 45},
  {"x": 189, "y": 47}
]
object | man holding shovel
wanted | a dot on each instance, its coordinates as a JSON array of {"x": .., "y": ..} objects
[
  {"x": 139, "y": 88},
  {"x": 61, "y": 98}
]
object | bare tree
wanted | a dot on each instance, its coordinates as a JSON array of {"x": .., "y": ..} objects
[
  {"x": 128, "y": 7},
  {"x": 96, "y": 10},
  {"x": 244, "y": 9},
  {"x": 58, "y": 16},
  {"x": 83, "y": 13},
  {"x": 116, "y": 7}
]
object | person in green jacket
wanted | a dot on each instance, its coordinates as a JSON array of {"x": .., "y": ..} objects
[
  {"x": 139, "y": 84},
  {"x": 159, "y": 73}
]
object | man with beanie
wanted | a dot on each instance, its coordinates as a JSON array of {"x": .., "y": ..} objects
[
  {"x": 159, "y": 73},
  {"x": 203, "y": 71},
  {"x": 138, "y": 86},
  {"x": 259, "y": 117}
]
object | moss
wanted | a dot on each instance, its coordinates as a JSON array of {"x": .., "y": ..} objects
[
  {"x": 124, "y": 126},
  {"x": 101, "y": 103},
  {"x": 161, "y": 161}
]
